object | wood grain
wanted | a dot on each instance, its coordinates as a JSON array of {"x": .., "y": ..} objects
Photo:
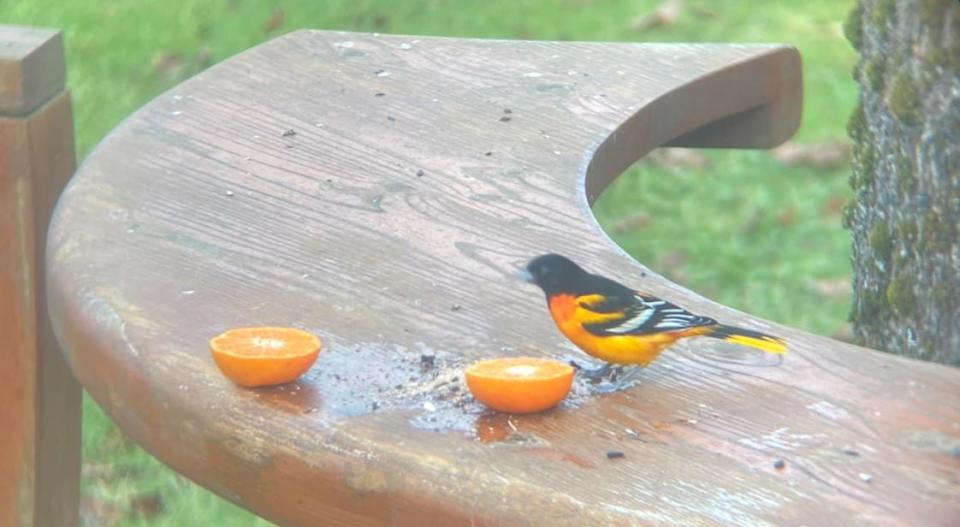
[
  {"x": 40, "y": 410},
  {"x": 380, "y": 191}
]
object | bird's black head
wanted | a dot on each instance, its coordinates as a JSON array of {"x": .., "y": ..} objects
[{"x": 555, "y": 274}]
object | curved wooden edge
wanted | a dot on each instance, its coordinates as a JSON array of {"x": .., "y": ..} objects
[
  {"x": 754, "y": 104},
  {"x": 779, "y": 76}
]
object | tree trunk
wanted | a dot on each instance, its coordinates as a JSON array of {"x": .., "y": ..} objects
[{"x": 905, "y": 216}]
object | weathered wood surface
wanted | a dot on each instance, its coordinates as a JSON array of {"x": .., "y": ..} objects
[
  {"x": 39, "y": 398},
  {"x": 380, "y": 191}
]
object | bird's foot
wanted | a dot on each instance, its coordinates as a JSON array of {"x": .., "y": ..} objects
[
  {"x": 609, "y": 378},
  {"x": 606, "y": 372},
  {"x": 627, "y": 377}
]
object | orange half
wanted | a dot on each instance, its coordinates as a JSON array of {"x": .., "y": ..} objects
[
  {"x": 519, "y": 385},
  {"x": 264, "y": 356}
]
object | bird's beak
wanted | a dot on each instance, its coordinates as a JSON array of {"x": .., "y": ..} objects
[{"x": 525, "y": 275}]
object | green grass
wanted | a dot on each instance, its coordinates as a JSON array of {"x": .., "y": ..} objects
[{"x": 743, "y": 230}]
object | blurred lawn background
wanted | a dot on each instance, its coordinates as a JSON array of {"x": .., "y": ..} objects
[{"x": 759, "y": 231}]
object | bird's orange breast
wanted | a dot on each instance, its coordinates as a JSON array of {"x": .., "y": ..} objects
[{"x": 562, "y": 307}]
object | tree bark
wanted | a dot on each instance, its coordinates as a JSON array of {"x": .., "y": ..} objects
[{"x": 905, "y": 215}]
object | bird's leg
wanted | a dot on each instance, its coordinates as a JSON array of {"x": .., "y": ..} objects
[
  {"x": 619, "y": 379},
  {"x": 626, "y": 377},
  {"x": 595, "y": 374},
  {"x": 616, "y": 373}
]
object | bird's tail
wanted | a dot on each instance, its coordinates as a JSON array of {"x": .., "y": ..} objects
[{"x": 746, "y": 337}]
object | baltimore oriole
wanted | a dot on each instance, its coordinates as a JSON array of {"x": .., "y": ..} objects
[{"x": 619, "y": 325}]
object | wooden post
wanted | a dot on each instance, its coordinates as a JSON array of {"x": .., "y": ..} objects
[{"x": 39, "y": 397}]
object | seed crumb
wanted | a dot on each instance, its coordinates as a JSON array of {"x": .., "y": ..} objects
[{"x": 427, "y": 361}]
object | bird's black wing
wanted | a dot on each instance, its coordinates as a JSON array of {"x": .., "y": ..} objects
[{"x": 643, "y": 315}]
